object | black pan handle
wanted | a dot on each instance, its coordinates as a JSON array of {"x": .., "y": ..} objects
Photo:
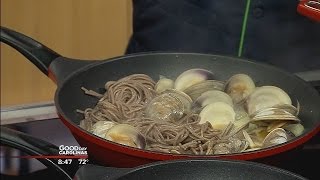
[
  {"x": 37, "y": 53},
  {"x": 49, "y": 62},
  {"x": 37, "y": 147}
]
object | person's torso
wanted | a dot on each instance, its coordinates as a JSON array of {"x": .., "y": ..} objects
[{"x": 275, "y": 32}]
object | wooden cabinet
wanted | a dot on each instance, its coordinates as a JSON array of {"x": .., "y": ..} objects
[{"x": 97, "y": 29}]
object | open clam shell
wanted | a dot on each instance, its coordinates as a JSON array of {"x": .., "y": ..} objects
[
  {"x": 239, "y": 125},
  {"x": 276, "y": 124},
  {"x": 247, "y": 137},
  {"x": 127, "y": 135},
  {"x": 218, "y": 114},
  {"x": 266, "y": 96},
  {"x": 296, "y": 129},
  {"x": 239, "y": 87},
  {"x": 196, "y": 90},
  {"x": 234, "y": 145},
  {"x": 275, "y": 137},
  {"x": 164, "y": 84},
  {"x": 100, "y": 128},
  {"x": 86, "y": 124},
  {"x": 183, "y": 97},
  {"x": 191, "y": 77},
  {"x": 210, "y": 97},
  {"x": 168, "y": 106},
  {"x": 274, "y": 114},
  {"x": 289, "y": 108}
]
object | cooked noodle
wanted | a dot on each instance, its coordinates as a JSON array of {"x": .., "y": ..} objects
[{"x": 124, "y": 102}]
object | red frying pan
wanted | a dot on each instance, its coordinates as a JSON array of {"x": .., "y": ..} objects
[{"x": 71, "y": 74}]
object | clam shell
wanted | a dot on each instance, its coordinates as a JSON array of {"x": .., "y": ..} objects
[
  {"x": 289, "y": 108},
  {"x": 164, "y": 84},
  {"x": 275, "y": 137},
  {"x": 196, "y": 90},
  {"x": 276, "y": 124},
  {"x": 210, "y": 97},
  {"x": 257, "y": 135},
  {"x": 251, "y": 127},
  {"x": 126, "y": 135},
  {"x": 237, "y": 145},
  {"x": 248, "y": 139},
  {"x": 251, "y": 149},
  {"x": 265, "y": 97},
  {"x": 181, "y": 96},
  {"x": 234, "y": 145},
  {"x": 168, "y": 106},
  {"x": 259, "y": 131},
  {"x": 239, "y": 125},
  {"x": 218, "y": 114},
  {"x": 86, "y": 124},
  {"x": 221, "y": 148},
  {"x": 100, "y": 128},
  {"x": 260, "y": 135},
  {"x": 239, "y": 87},
  {"x": 191, "y": 77},
  {"x": 296, "y": 129},
  {"x": 274, "y": 114}
]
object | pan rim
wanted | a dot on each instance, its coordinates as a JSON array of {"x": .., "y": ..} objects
[{"x": 237, "y": 163}]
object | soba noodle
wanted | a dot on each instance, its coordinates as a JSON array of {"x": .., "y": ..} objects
[
  {"x": 124, "y": 102},
  {"x": 124, "y": 99}
]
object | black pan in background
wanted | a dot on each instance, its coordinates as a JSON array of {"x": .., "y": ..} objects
[{"x": 196, "y": 169}]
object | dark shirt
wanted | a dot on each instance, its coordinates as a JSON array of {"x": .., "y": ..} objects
[{"x": 276, "y": 34}]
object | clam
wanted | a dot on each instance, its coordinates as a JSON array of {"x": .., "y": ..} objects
[
  {"x": 196, "y": 90},
  {"x": 240, "y": 111},
  {"x": 247, "y": 137},
  {"x": 259, "y": 133},
  {"x": 183, "y": 97},
  {"x": 251, "y": 127},
  {"x": 257, "y": 140},
  {"x": 296, "y": 129},
  {"x": 289, "y": 108},
  {"x": 238, "y": 145},
  {"x": 191, "y": 77},
  {"x": 218, "y": 114},
  {"x": 100, "y": 128},
  {"x": 239, "y": 125},
  {"x": 266, "y": 96},
  {"x": 86, "y": 124},
  {"x": 274, "y": 114},
  {"x": 276, "y": 124},
  {"x": 239, "y": 87},
  {"x": 221, "y": 148},
  {"x": 164, "y": 84},
  {"x": 275, "y": 137},
  {"x": 210, "y": 97},
  {"x": 168, "y": 106},
  {"x": 252, "y": 149},
  {"x": 126, "y": 135},
  {"x": 233, "y": 145}
]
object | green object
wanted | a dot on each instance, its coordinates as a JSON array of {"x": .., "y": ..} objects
[{"x": 244, "y": 27}]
